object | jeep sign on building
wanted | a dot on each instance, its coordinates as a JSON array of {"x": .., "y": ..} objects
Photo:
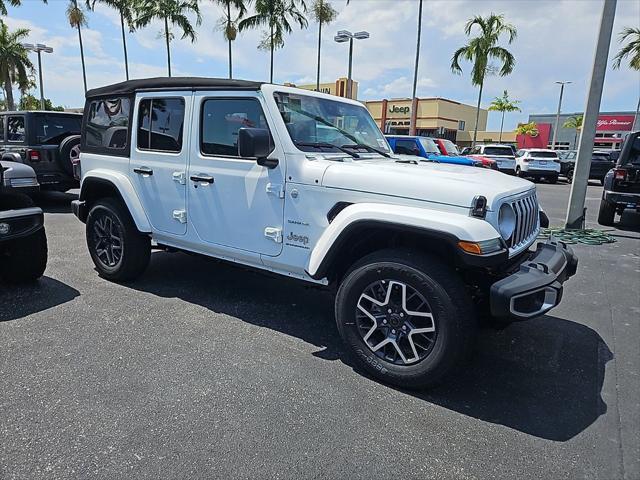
[{"x": 435, "y": 117}]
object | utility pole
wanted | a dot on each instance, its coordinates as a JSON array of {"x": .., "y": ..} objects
[
  {"x": 575, "y": 212},
  {"x": 555, "y": 128},
  {"x": 414, "y": 100}
]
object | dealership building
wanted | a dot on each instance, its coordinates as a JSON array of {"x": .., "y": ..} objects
[{"x": 610, "y": 130}]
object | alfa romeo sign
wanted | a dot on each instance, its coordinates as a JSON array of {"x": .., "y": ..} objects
[{"x": 615, "y": 123}]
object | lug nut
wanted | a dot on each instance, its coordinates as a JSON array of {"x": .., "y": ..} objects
[
  {"x": 393, "y": 331},
  {"x": 389, "y": 311},
  {"x": 404, "y": 327},
  {"x": 401, "y": 314},
  {"x": 384, "y": 321}
]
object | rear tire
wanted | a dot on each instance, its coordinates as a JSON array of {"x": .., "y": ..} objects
[
  {"x": 69, "y": 150},
  {"x": 570, "y": 175},
  {"x": 24, "y": 259},
  {"x": 519, "y": 172},
  {"x": 607, "y": 212},
  {"x": 412, "y": 286},
  {"x": 118, "y": 250}
]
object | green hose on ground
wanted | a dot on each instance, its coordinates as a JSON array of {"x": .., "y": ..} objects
[{"x": 588, "y": 236}]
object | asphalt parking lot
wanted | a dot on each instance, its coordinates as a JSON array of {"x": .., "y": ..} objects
[{"x": 202, "y": 370}]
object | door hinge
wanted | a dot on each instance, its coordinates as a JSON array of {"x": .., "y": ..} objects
[
  {"x": 180, "y": 177},
  {"x": 180, "y": 215},
  {"x": 274, "y": 234},
  {"x": 275, "y": 189}
]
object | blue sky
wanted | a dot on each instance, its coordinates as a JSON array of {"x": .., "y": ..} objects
[{"x": 556, "y": 41}]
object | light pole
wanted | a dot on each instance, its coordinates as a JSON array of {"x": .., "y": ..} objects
[
  {"x": 555, "y": 129},
  {"x": 39, "y": 48},
  {"x": 347, "y": 36}
]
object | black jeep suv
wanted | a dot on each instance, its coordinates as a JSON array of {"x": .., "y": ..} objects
[
  {"x": 49, "y": 142},
  {"x": 23, "y": 243},
  {"x": 622, "y": 183}
]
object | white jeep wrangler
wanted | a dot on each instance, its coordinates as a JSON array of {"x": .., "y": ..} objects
[{"x": 305, "y": 185}]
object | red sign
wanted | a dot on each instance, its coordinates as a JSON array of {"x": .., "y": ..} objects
[{"x": 615, "y": 122}]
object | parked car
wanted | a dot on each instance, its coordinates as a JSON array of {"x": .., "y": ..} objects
[
  {"x": 567, "y": 160},
  {"x": 502, "y": 154},
  {"x": 622, "y": 183},
  {"x": 427, "y": 148},
  {"x": 235, "y": 170},
  {"x": 538, "y": 163},
  {"x": 49, "y": 142},
  {"x": 23, "y": 242},
  {"x": 19, "y": 178},
  {"x": 447, "y": 147},
  {"x": 601, "y": 163}
]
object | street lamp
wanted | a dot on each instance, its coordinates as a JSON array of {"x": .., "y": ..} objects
[
  {"x": 38, "y": 48},
  {"x": 555, "y": 129},
  {"x": 347, "y": 36}
]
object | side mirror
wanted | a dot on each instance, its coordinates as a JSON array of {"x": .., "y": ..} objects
[{"x": 256, "y": 143}]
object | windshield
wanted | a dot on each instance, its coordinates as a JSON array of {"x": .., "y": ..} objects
[
  {"x": 51, "y": 129},
  {"x": 544, "y": 155},
  {"x": 498, "y": 151},
  {"x": 451, "y": 147},
  {"x": 312, "y": 120},
  {"x": 429, "y": 145}
]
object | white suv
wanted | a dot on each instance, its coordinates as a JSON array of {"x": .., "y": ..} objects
[
  {"x": 304, "y": 184},
  {"x": 538, "y": 163}
]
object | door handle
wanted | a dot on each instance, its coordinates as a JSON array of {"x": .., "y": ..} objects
[
  {"x": 201, "y": 178},
  {"x": 143, "y": 171}
]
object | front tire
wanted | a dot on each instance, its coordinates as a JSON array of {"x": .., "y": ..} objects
[
  {"x": 607, "y": 212},
  {"x": 519, "y": 172},
  {"x": 118, "y": 250},
  {"x": 405, "y": 317}
]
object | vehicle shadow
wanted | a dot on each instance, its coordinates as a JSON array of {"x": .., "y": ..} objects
[
  {"x": 629, "y": 222},
  {"x": 541, "y": 377},
  {"x": 17, "y": 301},
  {"x": 55, "y": 202}
]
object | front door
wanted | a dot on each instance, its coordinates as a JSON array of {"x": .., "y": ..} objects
[
  {"x": 159, "y": 153},
  {"x": 233, "y": 201}
]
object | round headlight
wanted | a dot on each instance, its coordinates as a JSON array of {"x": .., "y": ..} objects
[{"x": 506, "y": 221}]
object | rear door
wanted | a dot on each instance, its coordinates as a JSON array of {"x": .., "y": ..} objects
[
  {"x": 159, "y": 153},
  {"x": 233, "y": 201}
]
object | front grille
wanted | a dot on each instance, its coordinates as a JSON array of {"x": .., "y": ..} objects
[{"x": 527, "y": 221}]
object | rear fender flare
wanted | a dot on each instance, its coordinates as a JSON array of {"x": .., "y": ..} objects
[{"x": 124, "y": 187}]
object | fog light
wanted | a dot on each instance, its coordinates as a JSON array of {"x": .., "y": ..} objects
[{"x": 4, "y": 228}]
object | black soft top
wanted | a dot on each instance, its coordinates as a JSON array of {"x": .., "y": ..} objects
[{"x": 173, "y": 83}]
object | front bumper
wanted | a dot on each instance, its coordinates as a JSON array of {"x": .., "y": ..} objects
[
  {"x": 537, "y": 286},
  {"x": 20, "y": 223}
]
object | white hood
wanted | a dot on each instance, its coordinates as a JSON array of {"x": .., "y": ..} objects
[{"x": 433, "y": 182}]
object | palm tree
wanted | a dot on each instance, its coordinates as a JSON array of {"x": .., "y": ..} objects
[
  {"x": 171, "y": 12},
  {"x": 632, "y": 51},
  {"x": 229, "y": 23},
  {"x": 277, "y": 15},
  {"x": 77, "y": 19},
  {"x": 529, "y": 129},
  {"x": 13, "y": 3},
  {"x": 575, "y": 123},
  {"x": 126, "y": 10},
  {"x": 15, "y": 66},
  {"x": 323, "y": 12},
  {"x": 504, "y": 104},
  {"x": 482, "y": 49}
]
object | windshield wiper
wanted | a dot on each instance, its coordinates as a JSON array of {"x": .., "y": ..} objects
[
  {"x": 326, "y": 145},
  {"x": 369, "y": 148}
]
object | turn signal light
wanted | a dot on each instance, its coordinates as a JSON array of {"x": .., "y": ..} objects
[
  {"x": 620, "y": 174},
  {"x": 481, "y": 248},
  {"x": 470, "y": 247}
]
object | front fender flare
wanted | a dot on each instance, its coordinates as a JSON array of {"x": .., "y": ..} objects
[
  {"x": 446, "y": 225},
  {"x": 125, "y": 188}
]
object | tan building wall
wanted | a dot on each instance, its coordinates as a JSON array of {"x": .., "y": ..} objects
[
  {"x": 338, "y": 88},
  {"x": 434, "y": 116},
  {"x": 465, "y": 138}
]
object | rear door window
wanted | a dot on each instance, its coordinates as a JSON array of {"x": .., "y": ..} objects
[
  {"x": 544, "y": 155},
  {"x": 107, "y": 124},
  {"x": 160, "y": 124},
  {"x": 15, "y": 128}
]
